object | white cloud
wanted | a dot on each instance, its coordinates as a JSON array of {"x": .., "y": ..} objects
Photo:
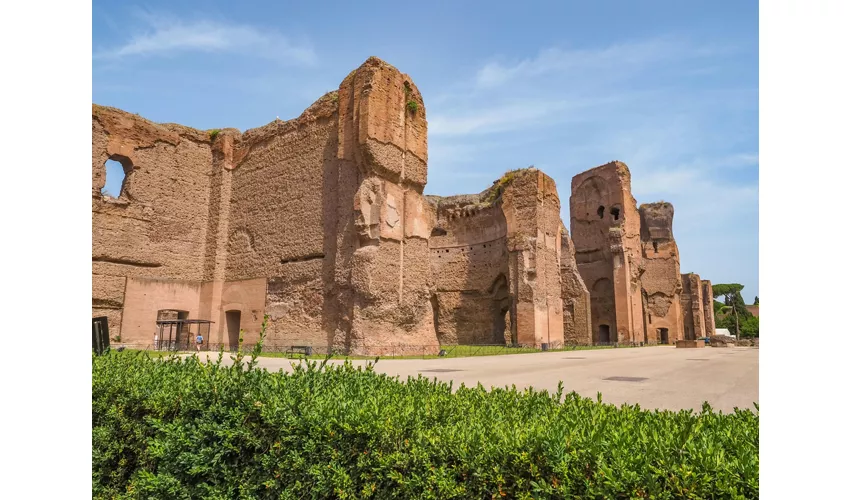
[
  {"x": 493, "y": 119},
  {"x": 698, "y": 173},
  {"x": 512, "y": 115},
  {"x": 164, "y": 36},
  {"x": 583, "y": 63},
  {"x": 558, "y": 85}
]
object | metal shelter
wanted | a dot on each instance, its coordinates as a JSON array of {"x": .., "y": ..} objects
[{"x": 177, "y": 334}]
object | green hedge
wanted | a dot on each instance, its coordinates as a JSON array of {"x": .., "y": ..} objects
[{"x": 179, "y": 428}]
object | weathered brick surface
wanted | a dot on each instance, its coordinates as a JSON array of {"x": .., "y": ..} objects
[
  {"x": 629, "y": 261},
  {"x": 605, "y": 227},
  {"x": 499, "y": 269},
  {"x": 708, "y": 307},
  {"x": 693, "y": 313},
  {"x": 319, "y": 222},
  {"x": 661, "y": 281}
]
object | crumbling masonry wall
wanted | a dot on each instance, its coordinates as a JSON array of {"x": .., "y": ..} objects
[
  {"x": 469, "y": 262},
  {"x": 605, "y": 227},
  {"x": 661, "y": 281},
  {"x": 575, "y": 296},
  {"x": 692, "y": 307},
  {"x": 497, "y": 263},
  {"x": 629, "y": 260},
  {"x": 708, "y": 307},
  {"x": 149, "y": 231},
  {"x": 319, "y": 221}
]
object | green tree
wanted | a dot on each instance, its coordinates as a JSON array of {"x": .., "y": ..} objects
[
  {"x": 750, "y": 327},
  {"x": 756, "y": 301},
  {"x": 718, "y": 306},
  {"x": 734, "y": 306}
]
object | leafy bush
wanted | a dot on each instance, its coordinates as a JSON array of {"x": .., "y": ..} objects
[
  {"x": 179, "y": 428},
  {"x": 750, "y": 327}
]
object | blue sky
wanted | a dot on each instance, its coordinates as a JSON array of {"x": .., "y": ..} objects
[{"x": 668, "y": 87}]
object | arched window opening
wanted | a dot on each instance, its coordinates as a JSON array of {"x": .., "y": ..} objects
[
  {"x": 615, "y": 212},
  {"x": 600, "y": 211},
  {"x": 117, "y": 170}
]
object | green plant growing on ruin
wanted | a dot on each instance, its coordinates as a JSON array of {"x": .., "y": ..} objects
[
  {"x": 412, "y": 106},
  {"x": 214, "y": 133},
  {"x": 503, "y": 182}
]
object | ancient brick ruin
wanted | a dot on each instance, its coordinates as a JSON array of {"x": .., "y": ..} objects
[
  {"x": 321, "y": 224},
  {"x": 605, "y": 227},
  {"x": 500, "y": 273},
  {"x": 693, "y": 307},
  {"x": 629, "y": 260},
  {"x": 661, "y": 282}
]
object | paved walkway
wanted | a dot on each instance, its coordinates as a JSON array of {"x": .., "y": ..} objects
[{"x": 654, "y": 377}]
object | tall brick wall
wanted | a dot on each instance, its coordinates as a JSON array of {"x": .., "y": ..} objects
[
  {"x": 499, "y": 269},
  {"x": 605, "y": 227},
  {"x": 278, "y": 208},
  {"x": 381, "y": 271},
  {"x": 661, "y": 281},
  {"x": 692, "y": 307},
  {"x": 708, "y": 307},
  {"x": 469, "y": 263},
  {"x": 156, "y": 227},
  {"x": 532, "y": 212}
]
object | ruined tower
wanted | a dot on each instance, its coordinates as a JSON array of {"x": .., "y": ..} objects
[
  {"x": 605, "y": 227},
  {"x": 693, "y": 313},
  {"x": 661, "y": 283},
  {"x": 497, "y": 260},
  {"x": 708, "y": 307}
]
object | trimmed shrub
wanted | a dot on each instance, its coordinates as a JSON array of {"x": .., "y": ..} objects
[{"x": 178, "y": 428}]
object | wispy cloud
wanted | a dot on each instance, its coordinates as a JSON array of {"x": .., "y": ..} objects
[
  {"x": 503, "y": 116},
  {"x": 567, "y": 85},
  {"x": 163, "y": 35},
  {"x": 618, "y": 59}
]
